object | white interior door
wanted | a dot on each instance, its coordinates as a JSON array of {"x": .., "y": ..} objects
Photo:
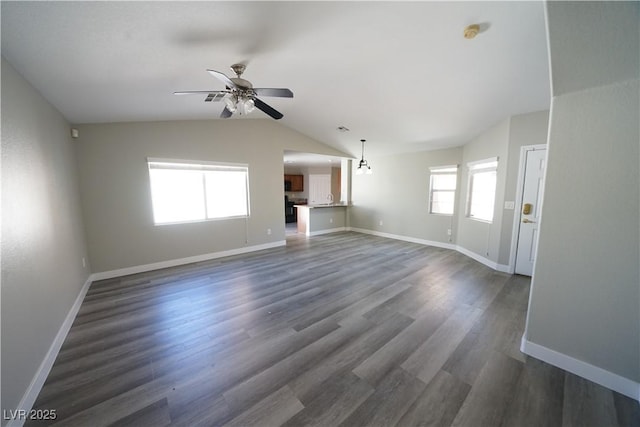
[
  {"x": 531, "y": 207},
  {"x": 319, "y": 189}
]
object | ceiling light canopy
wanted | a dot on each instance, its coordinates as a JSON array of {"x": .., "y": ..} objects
[{"x": 363, "y": 166}]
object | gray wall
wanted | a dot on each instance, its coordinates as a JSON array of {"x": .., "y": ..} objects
[
  {"x": 327, "y": 218},
  {"x": 397, "y": 193},
  {"x": 525, "y": 129},
  {"x": 585, "y": 296},
  {"x": 493, "y": 241},
  {"x": 42, "y": 232},
  {"x": 116, "y": 198},
  {"x": 479, "y": 237}
]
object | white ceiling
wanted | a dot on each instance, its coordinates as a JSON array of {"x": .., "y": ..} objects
[{"x": 399, "y": 74}]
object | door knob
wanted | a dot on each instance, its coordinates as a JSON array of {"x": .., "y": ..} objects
[{"x": 528, "y": 221}]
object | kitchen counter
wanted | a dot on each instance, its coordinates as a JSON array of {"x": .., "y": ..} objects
[
  {"x": 321, "y": 219},
  {"x": 331, "y": 205}
]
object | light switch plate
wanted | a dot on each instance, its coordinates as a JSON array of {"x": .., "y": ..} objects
[{"x": 510, "y": 205}]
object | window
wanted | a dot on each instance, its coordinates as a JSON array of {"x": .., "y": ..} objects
[
  {"x": 482, "y": 189},
  {"x": 442, "y": 189},
  {"x": 183, "y": 191}
]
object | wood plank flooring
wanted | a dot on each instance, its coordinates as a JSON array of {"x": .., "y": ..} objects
[{"x": 343, "y": 329}]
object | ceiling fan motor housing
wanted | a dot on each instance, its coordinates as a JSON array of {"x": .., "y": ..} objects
[{"x": 242, "y": 83}]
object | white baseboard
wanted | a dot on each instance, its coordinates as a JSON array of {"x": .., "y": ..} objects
[
  {"x": 327, "y": 231},
  {"x": 30, "y": 396},
  {"x": 486, "y": 261},
  {"x": 585, "y": 370},
  {"x": 181, "y": 261},
  {"x": 404, "y": 238},
  {"x": 492, "y": 264}
]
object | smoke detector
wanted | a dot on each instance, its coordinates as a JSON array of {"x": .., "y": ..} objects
[{"x": 471, "y": 31}]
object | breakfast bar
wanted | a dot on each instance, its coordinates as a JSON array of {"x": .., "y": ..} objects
[{"x": 321, "y": 219}]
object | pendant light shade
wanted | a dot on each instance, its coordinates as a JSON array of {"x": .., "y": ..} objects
[{"x": 363, "y": 166}]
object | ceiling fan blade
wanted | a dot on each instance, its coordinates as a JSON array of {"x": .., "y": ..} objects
[
  {"x": 212, "y": 95},
  {"x": 215, "y": 96},
  {"x": 267, "y": 109},
  {"x": 196, "y": 92},
  {"x": 222, "y": 77},
  {"x": 270, "y": 91},
  {"x": 225, "y": 113}
]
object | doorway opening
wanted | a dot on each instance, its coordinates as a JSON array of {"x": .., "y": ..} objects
[{"x": 310, "y": 179}]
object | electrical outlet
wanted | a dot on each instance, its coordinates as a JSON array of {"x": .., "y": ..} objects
[
  {"x": 381, "y": 222},
  {"x": 331, "y": 220},
  {"x": 268, "y": 231},
  {"x": 84, "y": 262},
  {"x": 448, "y": 232}
]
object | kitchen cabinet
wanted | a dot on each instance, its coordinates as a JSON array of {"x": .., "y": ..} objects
[{"x": 294, "y": 182}]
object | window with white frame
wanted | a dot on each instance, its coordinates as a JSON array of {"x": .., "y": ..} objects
[
  {"x": 188, "y": 191},
  {"x": 442, "y": 189},
  {"x": 482, "y": 189}
]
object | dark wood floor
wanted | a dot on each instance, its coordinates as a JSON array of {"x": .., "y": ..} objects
[{"x": 341, "y": 329}]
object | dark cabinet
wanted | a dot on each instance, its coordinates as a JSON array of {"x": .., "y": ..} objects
[{"x": 294, "y": 182}]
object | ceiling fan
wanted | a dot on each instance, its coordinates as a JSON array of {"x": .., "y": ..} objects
[{"x": 240, "y": 95}]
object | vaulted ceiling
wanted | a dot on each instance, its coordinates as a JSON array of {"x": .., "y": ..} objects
[{"x": 399, "y": 74}]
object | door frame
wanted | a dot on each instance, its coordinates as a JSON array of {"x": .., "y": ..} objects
[{"x": 515, "y": 233}]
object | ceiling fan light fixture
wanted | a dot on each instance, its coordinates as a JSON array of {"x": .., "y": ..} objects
[
  {"x": 248, "y": 105},
  {"x": 231, "y": 103}
]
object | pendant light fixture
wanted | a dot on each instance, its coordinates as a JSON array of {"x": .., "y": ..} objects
[{"x": 363, "y": 166}]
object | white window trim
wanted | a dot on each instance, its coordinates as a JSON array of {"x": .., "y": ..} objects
[
  {"x": 444, "y": 169},
  {"x": 478, "y": 166},
  {"x": 199, "y": 164},
  {"x": 441, "y": 170},
  {"x": 181, "y": 164},
  {"x": 490, "y": 163}
]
